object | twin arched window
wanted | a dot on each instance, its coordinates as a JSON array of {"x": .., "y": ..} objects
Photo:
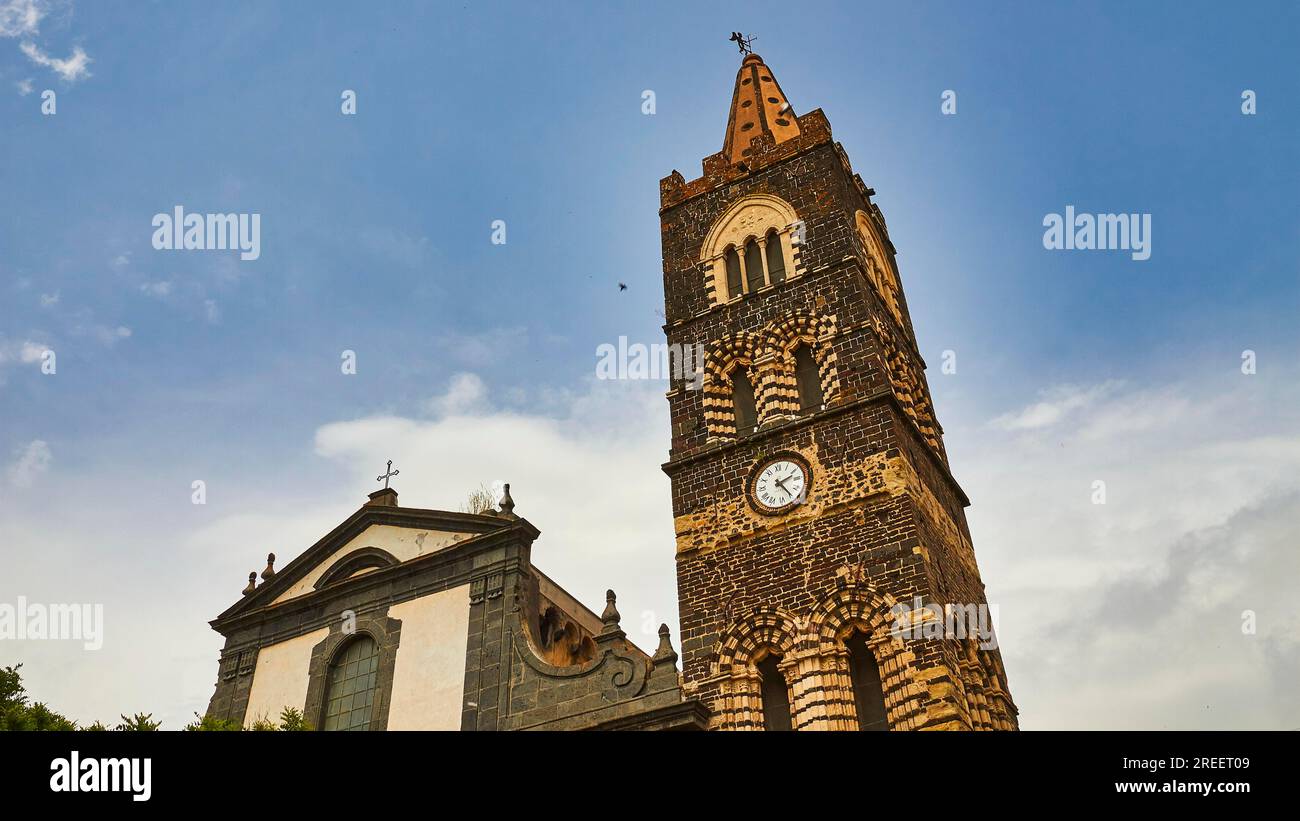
[
  {"x": 351, "y": 684},
  {"x": 763, "y": 264},
  {"x": 752, "y": 245},
  {"x": 807, "y": 379},
  {"x": 864, "y": 674}
]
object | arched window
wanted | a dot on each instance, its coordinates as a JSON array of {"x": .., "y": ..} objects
[
  {"x": 776, "y": 695},
  {"x": 775, "y": 258},
  {"x": 755, "y": 218},
  {"x": 733, "y": 273},
  {"x": 350, "y": 687},
  {"x": 742, "y": 397},
  {"x": 868, "y": 693},
  {"x": 753, "y": 267},
  {"x": 808, "y": 379}
]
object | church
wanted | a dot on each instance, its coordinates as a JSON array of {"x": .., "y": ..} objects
[{"x": 812, "y": 501}]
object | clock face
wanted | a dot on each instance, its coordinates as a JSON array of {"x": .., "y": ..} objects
[{"x": 779, "y": 484}]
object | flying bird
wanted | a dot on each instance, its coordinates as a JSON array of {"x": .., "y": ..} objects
[{"x": 622, "y": 287}]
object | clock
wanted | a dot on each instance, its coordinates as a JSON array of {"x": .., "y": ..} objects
[{"x": 779, "y": 483}]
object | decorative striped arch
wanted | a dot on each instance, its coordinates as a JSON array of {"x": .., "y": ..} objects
[
  {"x": 742, "y": 350},
  {"x": 857, "y": 606},
  {"x": 781, "y": 337},
  {"x": 746, "y": 641},
  {"x": 880, "y": 270},
  {"x": 768, "y": 357},
  {"x": 907, "y": 385}
]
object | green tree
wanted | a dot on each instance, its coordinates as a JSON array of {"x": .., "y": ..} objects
[
  {"x": 211, "y": 724},
  {"x": 17, "y": 714},
  {"x": 292, "y": 721},
  {"x": 138, "y": 722}
]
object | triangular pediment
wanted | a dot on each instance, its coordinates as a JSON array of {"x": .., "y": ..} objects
[{"x": 372, "y": 538}]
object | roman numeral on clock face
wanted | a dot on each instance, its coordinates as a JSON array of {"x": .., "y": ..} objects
[{"x": 780, "y": 484}]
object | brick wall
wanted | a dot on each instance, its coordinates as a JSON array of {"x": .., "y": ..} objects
[{"x": 884, "y": 521}]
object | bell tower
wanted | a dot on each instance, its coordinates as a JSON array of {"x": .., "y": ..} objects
[{"x": 821, "y": 540}]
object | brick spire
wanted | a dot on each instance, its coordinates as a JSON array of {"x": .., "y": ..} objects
[{"x": 758, "y": 106}]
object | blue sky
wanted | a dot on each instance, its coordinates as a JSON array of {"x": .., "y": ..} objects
[{"x": 375, "y": 237}]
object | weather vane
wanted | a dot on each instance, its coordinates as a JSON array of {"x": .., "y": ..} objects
[
  {"x": 390, "y": 474},
  {"x": 746, "y": 44}
]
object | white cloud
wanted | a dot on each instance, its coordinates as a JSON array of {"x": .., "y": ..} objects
[
  {"x": 211, "y": 311},
  {"x": 1057, "y": 404},
  {"x": 21, "y": 18},
  {"x": 48, "y": 300},
  {"x": 25, "y": 352},
  {"x": 158, "y": 290},
  {"x": 588, "y": 478},
  {"x": 466, "y": 393},
  {"x": 109, "y": 336},
  {"x": 103, "y": 334},
  {"x": 70, "y": 68},
  {"x": 30, "y": 461},
  {"x": 1128, "y": 614},
  {"x": 30, "y": 352}
]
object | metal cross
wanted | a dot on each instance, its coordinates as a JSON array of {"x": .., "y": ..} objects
[
  {"x": 391, "y": 473},
  {"x": 745, "y": 44}
]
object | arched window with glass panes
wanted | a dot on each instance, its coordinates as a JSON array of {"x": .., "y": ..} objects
[{"x": 351, "y": 684}]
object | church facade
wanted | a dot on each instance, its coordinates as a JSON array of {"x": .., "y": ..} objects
[{"x": 816, "y": 518}]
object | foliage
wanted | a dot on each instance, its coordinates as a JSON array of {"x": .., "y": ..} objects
[
  {"x": 212, "y": 724},
  {"x": 292, "y": 721},
  {"x": 480, "y": 501},
  {"x": 263, "y": 725},
  {"x": 17, "y": 714},
  {"x": 140, "y": 722}
]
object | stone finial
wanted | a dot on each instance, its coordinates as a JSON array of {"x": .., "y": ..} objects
[
  {"x": 252, "y": 583},
  {"x": 611, "y": 616},
  {"x": 507, "y": 503},
  {"x": 665, "y": 654},
  {"x": 270, "y": 567}
]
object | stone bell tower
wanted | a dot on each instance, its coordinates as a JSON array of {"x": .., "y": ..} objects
[{"x": 815, "y": 514}]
